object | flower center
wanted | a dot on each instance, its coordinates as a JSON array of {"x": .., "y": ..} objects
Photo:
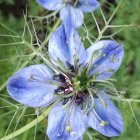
[
  {"x": 81, "y": 82},
  {"x": 75, "y": 89},
  {"x": 78, "y": 87},
  {"x": 71, "y": 2}
]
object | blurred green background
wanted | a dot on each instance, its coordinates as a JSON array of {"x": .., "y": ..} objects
[{"x": 29, "y": 21}]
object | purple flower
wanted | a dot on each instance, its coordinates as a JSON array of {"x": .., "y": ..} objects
[
  {"x": 71, "y": 11},
  {"x": 76, "y": 82}
]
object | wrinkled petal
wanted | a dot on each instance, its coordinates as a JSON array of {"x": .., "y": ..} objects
[
  {"x": 57, "y": 120},
  {"x": 51, "y": 4},
  {"x": 65, "y": 49},
  {"x": 107, "y": 58},
  {"x": 78, "y": 122},
  {"x": 71, "y": 16},
  {"x": 107, "y": 120},
  {"x": 88, "y": 5},
  {"x": 29, "y": 86}
]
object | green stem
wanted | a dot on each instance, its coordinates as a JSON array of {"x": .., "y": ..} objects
[
  {"x": 92, "y": 99},
  {"x": 53, "y": 29},
  {"x": 28, "y": 126},
  {"x": 22, "y": 66},
  {"x": 27, "y": 62}
]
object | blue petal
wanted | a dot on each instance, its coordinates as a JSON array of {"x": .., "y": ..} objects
[
  {"x": 29, "y": 86},
  {"x": 65, "y": 47},
  {"x": 57, "y": 120},
  {"x": 71, "y": 16},
  {"x": 60, "y": 118},
  {"x": 51, "y": 4},
  {"x": 107, "y": 58},
  {"x": 107, "y": 120},
  {"x": 58, "y": 47},
  {"x": 76, "y": 48},
  {"x": 88, "y": 5},
  {"x": 78, "y": 122}
]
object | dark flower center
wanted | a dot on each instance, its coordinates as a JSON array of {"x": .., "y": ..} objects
[
  {"x": 78, "y": 87},
  {"x": 71, "y": 2},
  {"x": 74, "y": 89}
]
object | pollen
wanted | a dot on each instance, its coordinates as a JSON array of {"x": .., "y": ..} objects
[
  {"x": 103, "y": 123},
  {"x": 104, "y": 55}
]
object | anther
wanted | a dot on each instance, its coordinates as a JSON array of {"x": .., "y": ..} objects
[
  {"x": 59, "y": 90},
  {"x": 69, "y": 66},
  {"x": 59, "y": 77},
  {"x": 65, "y": 101},
  {"x": 103, "y": 123}
]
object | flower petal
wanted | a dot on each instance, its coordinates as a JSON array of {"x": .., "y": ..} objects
[
  {"x": 61, "y": 121},
  {"x": 77, "y": 122},
  {"x": 58, "y": 47},
  {"x": 107, "y": 58},
  {"x": 29, "y": 86},
  {"x": 107, "y": 120},
  {"x": 88, "y": 5},
  {"x": 57, "y": 120},
  {"x": 76, "y": 48},
  {"x": 71, "y": 16},
  {"x": 64, "y": 47},
  {"x": 51, "y": 4}
]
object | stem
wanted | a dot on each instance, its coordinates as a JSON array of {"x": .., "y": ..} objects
[
  {"x": 27, "y": 62},
  {"x": 28, "y": 126},
  {"x": 54, "y": 27},
  {"x": 22, "y": 66},
  {"x": 107, "y": 23}
]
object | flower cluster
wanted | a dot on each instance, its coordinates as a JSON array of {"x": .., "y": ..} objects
[{"x": 76, "y": 82}]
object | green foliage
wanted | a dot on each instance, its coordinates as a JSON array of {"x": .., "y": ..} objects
[{"x": 8, "y": 1}]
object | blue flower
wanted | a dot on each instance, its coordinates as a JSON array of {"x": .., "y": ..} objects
[
  {"x": 71, "y": 11},
  {"x": 76, "y": 82}
]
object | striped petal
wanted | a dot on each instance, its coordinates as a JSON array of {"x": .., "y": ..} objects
[{"x": 30, "y": 86}]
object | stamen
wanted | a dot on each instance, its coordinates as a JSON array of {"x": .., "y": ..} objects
[
  {"x": 70, "y": 67},
  {"x": 63, "y": 69},
  {"x": 59, "y": 90},
  {"x": 101, "y": 99},
  {"x": 103, "y": 123},
  {"x": 59, "y": 77},
  {"x": 44, "y": 80},
  {"x": 68, "y": 95},
  {"x": 92, "y": 99},
  {"x": 96, "y": 53},
  {"x": 85, "y": 105},
  {"x": 112, "y": 58},
  {"x": 79, "y": 100},
  {"x": 97, "y": 117},
  {"x": 68, "y": 128},
  {"x": 107, "y": 84},
  {"x": 65, "y": 101}
]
